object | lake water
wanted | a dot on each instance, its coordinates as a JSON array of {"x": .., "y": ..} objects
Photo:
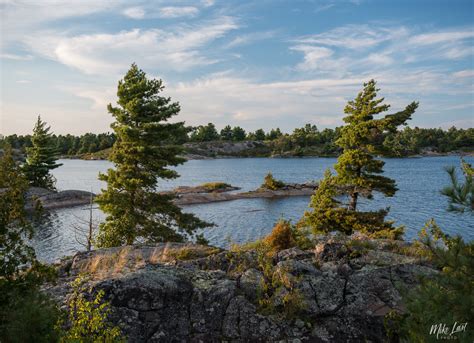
[{"x": 419, "y": 181}]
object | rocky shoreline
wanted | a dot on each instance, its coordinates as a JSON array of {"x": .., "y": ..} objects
[
  {"x": 191, "y": 196},
  {"x": 176, "y": 292},
  {"x": 49, "y": 200}
]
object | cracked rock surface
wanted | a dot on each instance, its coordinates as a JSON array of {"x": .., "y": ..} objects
[{"x": 174, "y": 292}]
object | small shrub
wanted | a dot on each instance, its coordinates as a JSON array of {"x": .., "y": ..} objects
[
  {"x": 282, "y": 237},
  {"x": 200, "y": 239},
  {"x": 271, "y": 183},
  {"x": 88, "y": 319},
  {"x": 214, "y": 186}
]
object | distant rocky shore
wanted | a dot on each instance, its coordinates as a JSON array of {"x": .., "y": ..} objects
[{"x": 176, "y": 292}]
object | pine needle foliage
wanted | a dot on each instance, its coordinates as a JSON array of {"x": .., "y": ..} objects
[
  {"x": 357, "y": 169},
  {"x": 142, "y": 154},
  {"x": 41, "y": 157},
  {"x": 461, "y": 195}
]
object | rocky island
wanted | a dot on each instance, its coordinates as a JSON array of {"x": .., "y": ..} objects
[
  {"x": 184, "y": 195},
  {"x": 338, "y": 290}
]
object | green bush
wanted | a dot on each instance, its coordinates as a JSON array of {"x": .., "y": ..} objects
[
  {"x": 88, "y": 317},
  {"x": 271, "y": 183},
  {"x": 214, "y": 186}
]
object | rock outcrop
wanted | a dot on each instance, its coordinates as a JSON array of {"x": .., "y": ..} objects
[
  {"x": 195, "y": 195},
  {"x": 49, "y": 199},
  {"x": 190, "y": 293}
]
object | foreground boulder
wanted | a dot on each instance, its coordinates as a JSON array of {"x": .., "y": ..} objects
[{"x": 175, "y": 292}]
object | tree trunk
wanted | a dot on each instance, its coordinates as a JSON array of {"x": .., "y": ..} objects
[{"x": 353, "y": 202}]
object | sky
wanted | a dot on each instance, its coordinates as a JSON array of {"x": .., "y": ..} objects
[{"x": 256, "y": 64}]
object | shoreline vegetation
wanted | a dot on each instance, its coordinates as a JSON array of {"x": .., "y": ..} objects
[
  {"x": 204, "y": 142},
  {"x": 209, "y": 154}
]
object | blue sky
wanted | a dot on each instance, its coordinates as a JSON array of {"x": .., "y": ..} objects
[{"x": 249, "y": 63}]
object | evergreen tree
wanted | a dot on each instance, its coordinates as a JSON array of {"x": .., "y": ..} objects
[
  {"x": 41, "y": 157},
  {"x": 461, "y": 195},
  {"x": 238, "y": 134},
  {"x": 226, "y": 133},
  {"x": 205, "y": 133},
  {"x": 142, "y": 154},
  {"x": 446, "y": 297},
  {"x": 26, "y": 314},
  {"x": 358, "y": 172},
  {"x": 274, "y": 134},
  {"x": 13, "y": 223},
  {"x": 260, "y": 135}
]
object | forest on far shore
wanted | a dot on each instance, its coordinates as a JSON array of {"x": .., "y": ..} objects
[{"x": 305, "y": 141}]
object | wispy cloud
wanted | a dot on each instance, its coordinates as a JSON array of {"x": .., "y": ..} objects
[
  {"x": 359, "y": 48},
  {"x": 176, "y": 12},
  {"x": 134, "y": 12},
  {"x": 353, "y": 36},
  {"x": 323, "y": 8},
  {"x": 441, "y": 37},
  {"x": 315, "y": 57},
  {"x": 16, "y": 57},
  {"x": 177, "y": 49},
  {"x": 250, "y": 38},
  {"x": 464, "y": 73}
]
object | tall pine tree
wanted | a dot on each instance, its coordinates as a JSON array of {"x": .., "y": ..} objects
[
  {"x": 142, "y": 154},
  {"x": 41, "y": 157},
  {"x": 357, "y": 169}
]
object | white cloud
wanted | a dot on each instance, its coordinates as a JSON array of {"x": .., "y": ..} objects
[
  {"x": 380, "y": 59},
  {"x": 354, "y": 36},
  {"x": 464, "y": 73},
  {"x": 134, "y": 12},
  {"x": 20, "y": 19},
  {"x": 250, "y": 38},
  {"x": 441, "y": 37},
  {"x": 176, "y": 12},
  {"x": 315, "y": 57},
  {"x": 228, "y": 99},
  {"x": 177, "y": 49},
  {"x": 16, "y": 57},
  {"x": 323, "y": 8},
  {"x": 23, "y": 81},
  {"x": 362, "y": 48}
]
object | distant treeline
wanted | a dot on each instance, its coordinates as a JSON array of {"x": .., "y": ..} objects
[{"x": 305, "y": 140}]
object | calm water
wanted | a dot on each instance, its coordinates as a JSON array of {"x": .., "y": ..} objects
[{"x": 418, "y": 199}]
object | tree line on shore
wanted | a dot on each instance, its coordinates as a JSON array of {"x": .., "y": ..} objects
[
  {"x": 144, "y": 152},
  {"x": 307, "y": 140}
]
